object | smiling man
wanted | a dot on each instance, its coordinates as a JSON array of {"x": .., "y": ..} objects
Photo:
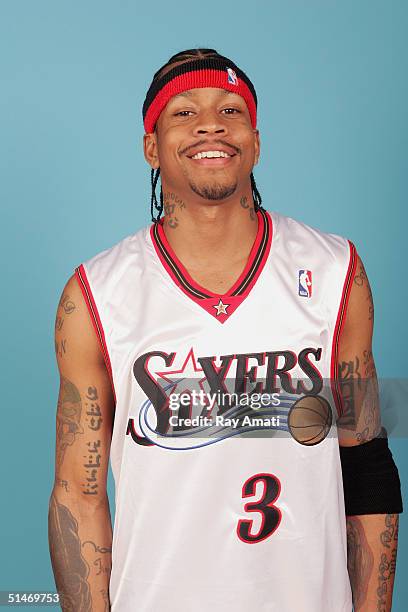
[{"x": 221, "y": 357}]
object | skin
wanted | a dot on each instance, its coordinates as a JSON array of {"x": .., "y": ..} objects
[
  {"x": 204, "y": 231},
  {"x": 372, "y": 540},
  {"x": 79, "y": 522}
]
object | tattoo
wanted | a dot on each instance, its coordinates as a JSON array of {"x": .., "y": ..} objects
[
  {"x": 369, "y": 369},
  {"x": 60, "y": 347},
  {"x": 101, "y": 549},
  {"x": 361, "y": 280},
  {"x": 68, "y": 418},
  {"x": 349, "y": 378},
  {"x": 69, "y": 566},
  {"x": 170, "y": 202},
  {"x": 92, "y": 459},
  {"x": 360, "y": 276},
  {"x": 94, "y": 411},
  {"x": 360, "y": 398},
  {"x": 370, "y": 410},
  {"x": 62, "y": 483},
  {"x": 386, "y": 568},
  {"x": 244, "y": 203},
  {"x": 390, "y": 535},
  {"x": 359, "y": 560},
  {"x": 102, "y": 569},
  {"x": 67, "y": 304},
  {"x": 105, "y": 597},
  {"x": 92, "y": 465}
]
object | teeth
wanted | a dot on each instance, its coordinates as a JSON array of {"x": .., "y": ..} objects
[{"x": 204, "y": 154}]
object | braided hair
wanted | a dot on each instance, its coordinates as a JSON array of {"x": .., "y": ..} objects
[{"x": 180, "y": 58}]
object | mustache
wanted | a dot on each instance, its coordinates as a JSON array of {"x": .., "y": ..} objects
[{"x": 212, "y": 142}]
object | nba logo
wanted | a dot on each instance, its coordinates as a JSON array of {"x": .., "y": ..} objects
[
  {"x": 305, "y": 283},
  {"x": 232, "y": 77}
]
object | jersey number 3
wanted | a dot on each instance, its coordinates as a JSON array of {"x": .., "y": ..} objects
[{"x": 270, "y": 514}]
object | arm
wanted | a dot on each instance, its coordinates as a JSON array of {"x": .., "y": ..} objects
[
  {"x": 371, "y": 538},
  {"x": 79, "y": 522}
]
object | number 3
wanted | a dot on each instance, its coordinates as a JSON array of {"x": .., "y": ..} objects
[{"x": 271, "y": 516}]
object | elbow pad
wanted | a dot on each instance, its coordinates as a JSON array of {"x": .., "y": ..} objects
[{"x": 370, "y": 478}]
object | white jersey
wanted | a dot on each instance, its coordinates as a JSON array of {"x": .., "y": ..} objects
[{"x": 210, "y": 514}]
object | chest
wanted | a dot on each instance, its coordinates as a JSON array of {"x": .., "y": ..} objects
[{"x": 217, "y": 279}]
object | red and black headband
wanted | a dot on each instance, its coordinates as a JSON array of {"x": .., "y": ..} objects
[{"x": 209, "y": 72}]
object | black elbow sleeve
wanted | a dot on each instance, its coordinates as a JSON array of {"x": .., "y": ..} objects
[{"x": 370, "y": 479}]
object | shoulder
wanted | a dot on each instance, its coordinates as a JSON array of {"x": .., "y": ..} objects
[
  {"x": 297, "y": 231},
  {"x": 299, "y": 237},
  {"x": 359, "y": 319},
  {"x": 131, "y": 243},
  {"x": 105, "y": 268},
  {"x": 73, "y": 332}
]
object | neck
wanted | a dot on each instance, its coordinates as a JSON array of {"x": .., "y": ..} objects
[{"x": 207, "y": 233}]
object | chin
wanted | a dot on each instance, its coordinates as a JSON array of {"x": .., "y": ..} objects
[{"x": 214, "y": 191}]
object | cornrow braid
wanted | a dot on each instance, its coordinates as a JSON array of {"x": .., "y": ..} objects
[
  {"x": 154, "y": 177},
  {"x": 185, "y": 56},
  {"x": 256, "y": 195},
  {"x": 189, "y": 55}
]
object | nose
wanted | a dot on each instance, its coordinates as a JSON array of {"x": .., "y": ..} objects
[{"x": 209, "y": 122}]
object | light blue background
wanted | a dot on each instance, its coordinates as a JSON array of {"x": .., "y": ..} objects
[{"x": 332, "y": 83}]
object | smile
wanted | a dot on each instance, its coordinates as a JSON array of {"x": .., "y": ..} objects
[
  {"x": 210, "y": 154},
  {"x": 213, "y": 159}
]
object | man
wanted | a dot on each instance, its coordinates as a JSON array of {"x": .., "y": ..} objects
[{"x": 217, "y": 300}]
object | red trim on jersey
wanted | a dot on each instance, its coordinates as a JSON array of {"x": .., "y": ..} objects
[
  {"x": 193, "y": 80},
  {"x": 204, "y": 297},
  {"x": 341, "y": 316},
  {"x": 95, "y": 318}
]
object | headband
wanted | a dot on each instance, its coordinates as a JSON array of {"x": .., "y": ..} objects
[{"x": 209, "y": 72}]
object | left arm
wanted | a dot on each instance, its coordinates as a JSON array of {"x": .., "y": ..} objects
[{"x": 372, "y": 533}]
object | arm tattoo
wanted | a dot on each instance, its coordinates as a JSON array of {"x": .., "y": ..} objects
[
  {"x": 101, "y": 549},
  {"x": 60, "y": 347},
  {"x": 69, "y": 566},
  {"x": 360, "y": 398},
  {"x": 105, "y": 597},
  {"x": 68, "y": 306},
  {"x": 99, "y": 562},
  {"x": 92, "y": 459},
  {"x": 349, "y": 378},
  {"x": 361, "y": 280},
  {"x": 68, "y": 418},
  {"x": 359, "y": 560},
  {"x": 386, "y": 568}
]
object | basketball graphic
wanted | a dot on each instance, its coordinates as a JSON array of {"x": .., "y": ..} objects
[{"x": 310, "y": 419}]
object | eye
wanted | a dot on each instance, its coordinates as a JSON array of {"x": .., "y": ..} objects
[
  {"x": 235, "y": 110},
  {"x": 180, "y": 113}
]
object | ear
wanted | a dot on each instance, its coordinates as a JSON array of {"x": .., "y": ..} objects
[
  {"x": 257, "y": 143},
  {"x": 150, "y": 149}
]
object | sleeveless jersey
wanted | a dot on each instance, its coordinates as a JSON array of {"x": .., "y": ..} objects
[{"x": 211, "y": 515}]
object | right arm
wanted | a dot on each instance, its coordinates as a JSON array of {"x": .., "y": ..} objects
[{"x": 79, "y": 521}]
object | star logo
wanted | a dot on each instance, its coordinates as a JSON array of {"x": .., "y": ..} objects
[
  {"x": 187, "y": 372},
  {"x": 221, "y": 308}
]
